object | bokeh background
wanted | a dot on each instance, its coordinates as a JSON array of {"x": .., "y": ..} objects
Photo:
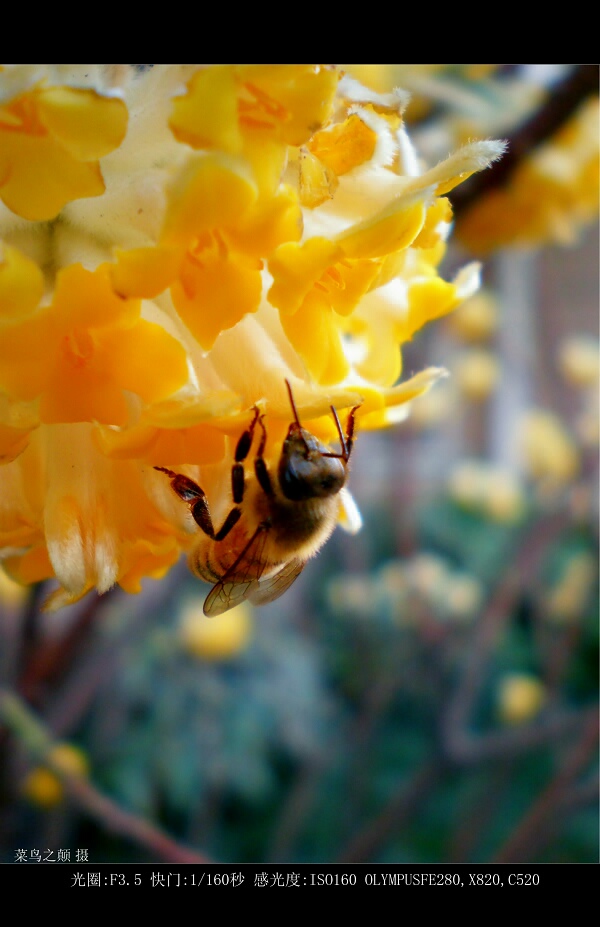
[{"x": 427, "y": 691}]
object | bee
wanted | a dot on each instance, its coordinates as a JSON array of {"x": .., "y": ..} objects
[{"x": 277, "y": 522}]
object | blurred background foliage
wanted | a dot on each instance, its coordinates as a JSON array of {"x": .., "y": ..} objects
[{"x": 427, "y": 691}]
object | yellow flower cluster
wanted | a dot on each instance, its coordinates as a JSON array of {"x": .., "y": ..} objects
[
  {"x": 553, "y": 193},
  {"x": 488, "y": 490},
  {"x": 176, "y": 243},
  {"x": 551, "y": 196},
  {"x": 550, "y": 454},
  {"x": 520, "y": 697},
  {"x": 42, "y": 786}
]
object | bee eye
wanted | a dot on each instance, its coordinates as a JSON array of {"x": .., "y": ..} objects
[
  {"x": 302, "y": 479},
  {"x": 294, "y": 486},
  {"x": 330, "y": 483}
]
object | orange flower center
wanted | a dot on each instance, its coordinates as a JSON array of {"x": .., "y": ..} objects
[
  {"x": 78, "y": 347},
  {"x": 259, "y": 110},
  {"x": 22, "y": 116},
  {"x": 205, "y": 246},
  {"x": 331, "y": 280}
]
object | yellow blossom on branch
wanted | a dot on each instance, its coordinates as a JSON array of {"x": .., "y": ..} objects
[
  {"x": 84, "y": 351},
  {"x": 520, "y": 698},
  {"x": 184, "y": 251},
  {"x": 547, "y": 188},
  {"x": 51, "y": 140},
  {"x": 552, "y": 195}
]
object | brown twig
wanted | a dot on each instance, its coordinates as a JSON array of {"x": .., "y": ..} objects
[
  {"x": 545, "y": 812},
  {"x": 305, "y": 791},
  {"x": 460, "y": 744},
  {"x": 49, "y": 660},
  {"x": 29, "y": 627},
  {"x": 116, "y": 819},
  {"x": 394, "y": 815},
  {"x": 39, "y": 744},
  {"x": 479, "y": 814},
  {"x": 562, "y": 102}
]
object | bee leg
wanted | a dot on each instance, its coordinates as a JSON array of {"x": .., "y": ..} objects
[
  {"x": 346, "y": 440},
  {"x": 195, "y": 497},
  {"x": 241, "y": 452},
  {"x": 350, "y": 427},
  {"x": 260, "y": 467}
]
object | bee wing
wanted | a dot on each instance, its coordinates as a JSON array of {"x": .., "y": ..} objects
[
  {"x": 227, "y": 594},
  {"x": 267, "y": 590},
  {"x": 242, "y": 577},
  {"x": 350, "y": 518}
]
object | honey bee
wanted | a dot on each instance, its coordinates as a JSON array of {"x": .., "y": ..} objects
[{"x": 277, "y": 521}]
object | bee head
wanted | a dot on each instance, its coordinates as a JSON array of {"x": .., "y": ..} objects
[{"x": 307, "y": 470}]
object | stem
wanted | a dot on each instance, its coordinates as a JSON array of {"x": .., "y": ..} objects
[
  {"x": 562, "y": 102},
  {"x": 50, "y": 660},
  {"x": 545, "y": 812},
  {"x": 394, "y": 815},
  {"x": 30, "y": 626},
  {"x": 39, "y": 743}
]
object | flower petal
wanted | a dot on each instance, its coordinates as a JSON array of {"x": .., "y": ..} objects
[
  {"x": 211, "y": 191},
  {"x": 316, "y": 336},
  {"x": 86, "y": 299},
  {"x": 215, "y": 294},
  {"x": 297, "y": 100},
  {"x": 88, "y": 125},
  {"x": 13, "y": 442},
  {"x": 395, "y": 227},
  {"x": 43, "y": 177},
  {"x": 21, "y": 284},
  {"x": 27, "y": 354},
  {"x": 145, "y": 272},
  {"x": 296, "y": 268},
  {"x": 206, "y": 115},
  {"x": 201, "y": 444},
  {"x": 82, "y": 394},
  {"x": 146, "y": 360}
]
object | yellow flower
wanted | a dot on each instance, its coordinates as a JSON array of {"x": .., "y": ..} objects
[
  {"x": 476, "y": 319},
  {"x": 488, "y": 490},
  {"x": 84, "y": 351},
  {"x": 255, "y": 110},
  {"x": 550, "y": 453},
  {"x": 51, "y": 140},
  {"x": 566, "y": 600},
  {"x": 216, "y": 228},
  {"x": 216, "y": 640},
  {"x": 579, "y": 361},
  {"x": 520, "y": 698},
  {"x": 177, "y": 245},
  {"x": 553, "y": 193},
  {"x": 550, "y": 197},
  {"x": 477, "y": 372},
  {"x": 42, "y": 786}
]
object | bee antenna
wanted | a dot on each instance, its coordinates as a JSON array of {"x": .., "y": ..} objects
[
  {"x": 292, "y": 403},
  {"x": 345, "y": 451},
  {"x": 296, "y": 416}
]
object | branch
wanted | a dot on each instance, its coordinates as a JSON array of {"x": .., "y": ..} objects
[
  {"x": 39, "y": 744},
  {"x": 563, "y": 101},
  {"x": 545, "y": 812},
  {"x": 393, "y": 816}
]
